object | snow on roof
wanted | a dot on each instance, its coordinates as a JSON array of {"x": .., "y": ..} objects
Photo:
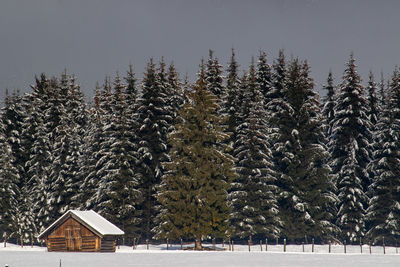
[
  {"x": 89, "y": 218},
  {"x": 98, "y": 222}
]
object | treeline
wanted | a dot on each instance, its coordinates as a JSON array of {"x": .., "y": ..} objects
[{"x": 252, "y": 154}]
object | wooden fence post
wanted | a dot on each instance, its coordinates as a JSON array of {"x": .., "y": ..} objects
[
  {"x": 302, "y": 245},
  {"x": 5, "y": 239},
  {"x": 284, "y": 245},
  {"x": 361, "y": 244},
  {"x": 330, "y": 243},
  {"x": 181, "y": 244},
  {"x": 60, "y": 262},
  {"x": 312, "y": 246},
  {"x": 223, "y": 243},
  {"x": 233, "y": 248},
  {"x": 266, "y": 244},
  {"x": 167, "y": 244},
  {"x": 229, "y": 244},
  {"x": 22, "y": 240},
  {"x": 261, "y": 245},
  {"x": 383, "y": 241},
  {"x": 213, "y": 244},
  {"x": 31, "y": 240},
  {"x": 147, "y": 244},
  {"x": 248, "y": 242},
  {"x": 370, "y": 250},
  {"x": 344, "y": 243},
  {"x": 277, "y": 243}
]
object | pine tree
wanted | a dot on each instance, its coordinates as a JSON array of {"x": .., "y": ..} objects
[
  {"x": 382, "y": 92},
  {"x": 37, "y": 167},
  {"x": 214, "y": 79},
  {"x": 264, "y": 76},
  {"x": 119, "y": 195},
  {"x": 253, "y": 193},
  {"x": 328, "y": 109},
  {"x": 194, "y": 190},
  {"x": 176, "y": 92},
  {"x": 90, "y": 156},
  {"x": 372, "y": 99},
  {"x": 9, "y": 179},
  {"x": 307, "y": 197},
  {"x": 152, "y": 119},
  {"x": 383, "y": 213},
  {"x": 233, "y": 100},
  {"x": 351, "y": 153},
  {"x": 13, "y": 116}
]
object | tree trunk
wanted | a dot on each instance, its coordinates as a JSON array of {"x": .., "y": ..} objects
[{"x": 198, "y": 245}]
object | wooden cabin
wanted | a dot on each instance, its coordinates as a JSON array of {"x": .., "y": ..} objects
[{"x": 81, "y": 231}]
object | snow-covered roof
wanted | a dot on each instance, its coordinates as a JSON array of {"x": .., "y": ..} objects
[{"x": 92, "y": 220}]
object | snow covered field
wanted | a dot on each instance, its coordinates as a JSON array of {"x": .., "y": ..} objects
[{"x": 158, "y": 256}]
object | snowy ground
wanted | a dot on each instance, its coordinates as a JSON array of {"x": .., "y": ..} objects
[{"x": 15, "y": 256}]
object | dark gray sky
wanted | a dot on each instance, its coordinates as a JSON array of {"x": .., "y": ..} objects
[{"x": 94, "y": 38}]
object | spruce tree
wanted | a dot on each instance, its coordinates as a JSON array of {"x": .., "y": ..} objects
[
  {"x": 119, "y": 196},
  {"x": 351, "y": 153},
  {"x": 328, "y": 109},
  {"x": 253, "y": 192},
  {"x": 383, "y": 213},
  {"x": 194, "y": 190},
  {"x": 232, "y": 101},
  {"x": 264, "y": 76},
  {"x": 90, "y": 156},
  {"x": 372, "y": 99},
  {"x": 9, "y": 179},
  {"x": 175, "y": 90},
  {"x": 382, "y": 92},
  {"x": 37, "y": 144},
  {"x": 152, "y": 118},
  {"x": 307, "y": 200}
]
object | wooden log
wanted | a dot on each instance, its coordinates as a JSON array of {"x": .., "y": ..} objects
[
  {"x": 284, "y": 245},
  {"x": 312, "y": 246}
]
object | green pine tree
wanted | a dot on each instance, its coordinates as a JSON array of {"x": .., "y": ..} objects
[{"x": 194, "y": 189}]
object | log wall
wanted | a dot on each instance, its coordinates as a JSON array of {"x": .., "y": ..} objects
[{"x": 73, "y": 236}]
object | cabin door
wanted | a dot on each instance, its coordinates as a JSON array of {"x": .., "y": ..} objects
[{"x": 73, "y": 238}]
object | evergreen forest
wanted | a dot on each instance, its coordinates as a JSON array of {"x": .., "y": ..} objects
[{"x": 242, "y": 152}]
